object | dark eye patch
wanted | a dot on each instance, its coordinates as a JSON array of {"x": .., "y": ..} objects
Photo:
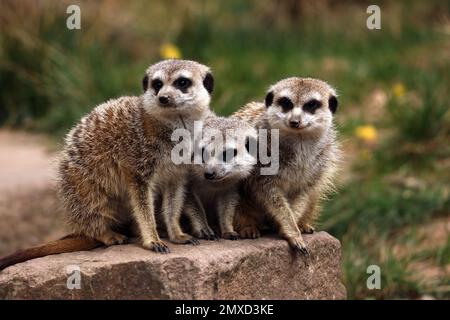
[
  {"x": 157, "y": 84},
  {"x": 205, "y": 155},
  {"x": 247, "y": 144},
  {"x": 182, "y": 83},
  {"x": 229, "y": 154},
  {"x": 285, "y": 103},
  {"x": 251, "y": 145},
  {"x": 312, "y": 106}
]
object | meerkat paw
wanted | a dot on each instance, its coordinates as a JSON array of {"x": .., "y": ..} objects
[
  {"x": 157, "y": 246},
  {"x": 206, "y": 234},
  {"x": 249, "y": 232},
  {"x": 231, "y": 235},
  {"x": 307, "y": 228},
  {"x": 112, "y": 238},
  {"x": 185, "y": 239},
  {"x": 298, "y": 245}
]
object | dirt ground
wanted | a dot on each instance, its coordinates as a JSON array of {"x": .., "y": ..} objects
[{"x": 29, "y": 209}]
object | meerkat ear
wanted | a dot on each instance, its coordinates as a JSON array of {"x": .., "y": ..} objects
[
  {"x": 333, "y": 104},
  {"x": 269, "y": 99},
  {"x": 208, "y": 82},
  {"x": 145, "y": 83}
]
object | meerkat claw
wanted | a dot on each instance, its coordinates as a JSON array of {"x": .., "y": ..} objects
[
  {"x": 112, "y": 238},
  {"x": 231, "y": 235},
  {"x": 159, "y": 247},
  {"x": 212, "y": 237},
  {"x": 194, "y": 242},
  {"x": 307, "y": 229},
  {"x": 306, "y": 252},
  {"x": 250, "y": 232},
  {"x": 300, "y": 249},
  {"x": 299, "y": 246},
  {"x": 208, "y": 235}
]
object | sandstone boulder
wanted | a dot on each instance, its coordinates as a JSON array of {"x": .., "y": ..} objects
[{"x": 246, "y": 269}]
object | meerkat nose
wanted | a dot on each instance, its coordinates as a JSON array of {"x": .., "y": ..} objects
[
  {"x": 210, "y": 175},
  {"x": 164, "y": 100},
  {"x": 294, "y": 124}
]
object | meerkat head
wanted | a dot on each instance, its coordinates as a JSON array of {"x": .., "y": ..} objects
[
  {"x": 174, "y": 87},
  {"x": 227, "y": 150},
  {"x": 301, "y": 105}
]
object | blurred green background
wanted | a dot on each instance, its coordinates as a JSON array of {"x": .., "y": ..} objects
[{"x": 392, "y": 206}]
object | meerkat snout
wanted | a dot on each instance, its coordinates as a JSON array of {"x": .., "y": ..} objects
[
  {"x": 164, "y": 100},
  {"x": 294, "y": 124},
  {"x": 209, "y": 175}
]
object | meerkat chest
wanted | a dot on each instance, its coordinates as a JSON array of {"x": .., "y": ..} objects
[{"x": 300, "y": 169}]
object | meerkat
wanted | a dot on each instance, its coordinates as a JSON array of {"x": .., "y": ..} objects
[
  {"x": 224, "y": 160},
  {"x": 117, "y": 160},
  {"x": 302, "y": 110}
]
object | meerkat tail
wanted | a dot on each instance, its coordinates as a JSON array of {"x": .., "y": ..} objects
[{"x": 69, "y": 243}]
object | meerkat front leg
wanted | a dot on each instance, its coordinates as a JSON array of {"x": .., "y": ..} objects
[
  {"x": 305, "y": 210},
  {"x": 195, "y": 211},
  {"x": 172, "y": 204},
  {"x": 278, "y": 208},
  {"x": 141, "y": 196},
  {"x": 226, "y": 209}
]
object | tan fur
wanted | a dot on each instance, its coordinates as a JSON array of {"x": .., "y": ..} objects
[
  {"x": 308, "y": 159},
  {"x": 117, "y": 160},
  {"x": 120, "y": 153},
  {"x": 69, "y": 243}
]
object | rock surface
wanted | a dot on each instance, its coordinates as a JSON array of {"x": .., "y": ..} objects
[{"x": 247, "y": 269}]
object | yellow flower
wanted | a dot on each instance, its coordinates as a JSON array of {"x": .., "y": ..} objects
[
  {"x": 367, "y": 133},
  {"x": 169, "y": 51},
  {"x": 399, "y": 90}
]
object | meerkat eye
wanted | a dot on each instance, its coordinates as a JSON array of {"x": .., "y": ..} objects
[
  {"x": 229, "y": 154},
  {"x": 312, "y": 106},
  {"x": 286, "y": 104},
  {"x": 157, "y": 85},
  {"x": 182, "y": 83}
]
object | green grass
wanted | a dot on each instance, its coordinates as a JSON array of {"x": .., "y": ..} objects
[
  {"x": 423, "y": 119},
  {"x": 395, "y": 278},
  {"x": 52, "y": 76},
  {"x": 367, "y": 216},
  {"x": 70, "y": 72},
  {"x": 380, "y": 206}
]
